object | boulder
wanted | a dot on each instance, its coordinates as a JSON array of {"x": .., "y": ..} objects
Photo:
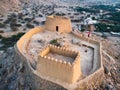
[
  {"x": 108, "y": 87},
  {"x": 74, "y": 41},
  {"x": 62, "y": 44},
  {"x": 106, "y": 70},
  {"x": 22, "y": 81}
]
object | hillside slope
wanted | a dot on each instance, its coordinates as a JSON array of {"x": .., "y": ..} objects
[{"x": 6, "y": 5}]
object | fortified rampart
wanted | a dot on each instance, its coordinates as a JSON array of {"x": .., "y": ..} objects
[
  {"x": 33, "y": 77},
  {"x": 97, "y": 72},
  {"x": 24, "y": 40},
  {"x": 97, "y": 53},
  {"x": 58, "y": 23},
  {"x": 55, "y": 68}
]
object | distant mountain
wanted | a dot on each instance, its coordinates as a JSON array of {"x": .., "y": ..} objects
[
  {"x": 98, "y": 0},
  {"x": 45, "y": 1},
  {"x": 109, "y": 1},
  {"x": 6, "y": 5}
]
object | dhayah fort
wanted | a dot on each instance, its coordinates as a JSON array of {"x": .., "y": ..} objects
[{"x": 56, "y": 57}]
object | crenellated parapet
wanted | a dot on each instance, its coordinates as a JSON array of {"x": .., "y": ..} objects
[{"x": 65, "y": 71}]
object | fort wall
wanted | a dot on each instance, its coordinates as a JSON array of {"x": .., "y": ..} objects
[
  {"x": 97, "y": 51},
  {"x": 63, "y": 24},
  {"x": 62, "y": 70},
  {"x": 97, "y": 72},
  {"x": 25, "y": 38}
]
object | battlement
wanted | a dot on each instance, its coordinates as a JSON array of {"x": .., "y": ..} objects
[{"x": 55, "y": 67}]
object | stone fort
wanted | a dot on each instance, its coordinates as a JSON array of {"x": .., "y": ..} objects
[{"x": 62, "y": 66}]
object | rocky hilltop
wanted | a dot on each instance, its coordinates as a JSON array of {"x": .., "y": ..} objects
[{"x": 32, "y": 14}]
